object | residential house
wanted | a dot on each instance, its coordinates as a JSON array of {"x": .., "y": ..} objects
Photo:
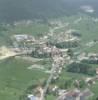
[{"x": 76, "y": 95}]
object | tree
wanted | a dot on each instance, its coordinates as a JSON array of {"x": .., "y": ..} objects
[
  {"x": 67, "y": 84},
  {"x": 81, "y": 68},
  {"x": 70, "y": 53}
]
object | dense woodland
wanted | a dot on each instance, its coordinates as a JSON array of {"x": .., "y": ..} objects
[{"x": 15, "y": 10}]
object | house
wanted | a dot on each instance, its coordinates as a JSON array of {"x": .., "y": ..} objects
[
  {"x": 90, "y": 81},
  {"x": 93, "y": 55},
  {"x": 91, "y": 58},
  {"x": 86, "y": 94},
  {"x": 61, "y": 91},
  {"x": 76, "y": 95},
  {"x": 39, "y": 95},
  {"x": 22, "y": 37},
  {"x": 82, "y": 56},
  {"x": 70, "y": 95},
  {"x": 32, "y": 97},
  {"x": 97, "y": 71}
]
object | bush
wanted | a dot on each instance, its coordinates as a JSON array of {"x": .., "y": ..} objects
[
  {"x": 81, "y": 68},
  {"x": 67, "y": 44}
]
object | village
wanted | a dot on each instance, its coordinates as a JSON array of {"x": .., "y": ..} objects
[
  {"x": 59, "y": 47},
  {"x": 48, "y": 49}
]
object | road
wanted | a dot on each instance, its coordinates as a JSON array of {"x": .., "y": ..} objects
[{"x": 6, "y": 53}]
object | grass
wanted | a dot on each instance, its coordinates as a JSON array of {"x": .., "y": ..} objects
[
  {"x": 35, "y": 29},
  {"x": 15, "y": 78},
  {"x": 51, "y": 97},
  {"x": 94, "y": 89},
  {"x": 94, "y": 49}
]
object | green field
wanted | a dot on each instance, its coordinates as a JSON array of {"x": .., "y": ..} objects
[
  {"x": 35, "y": 29},
  {"x": 15, "y": 78}
]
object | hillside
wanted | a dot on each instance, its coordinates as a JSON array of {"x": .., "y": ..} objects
[{"x": 13, "y": 10}]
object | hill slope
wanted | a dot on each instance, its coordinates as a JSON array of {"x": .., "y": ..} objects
[{"x": 11, "y": 10}]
